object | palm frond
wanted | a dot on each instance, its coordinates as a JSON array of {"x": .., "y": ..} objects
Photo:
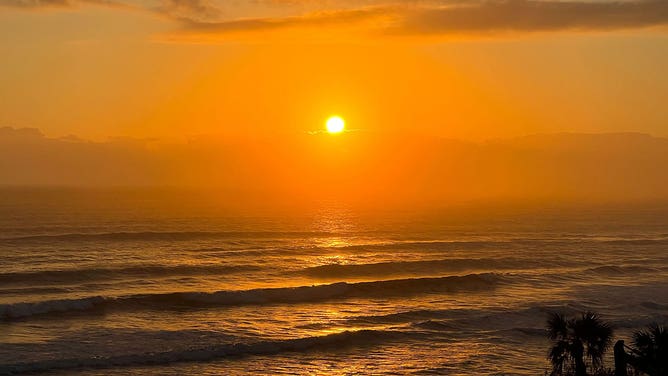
[{"x": 557, "y": 326}]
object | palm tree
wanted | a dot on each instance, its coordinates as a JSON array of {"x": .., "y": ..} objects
[
  {"x": 650, "y": 350},
  {"x": 577, "y": 342}
]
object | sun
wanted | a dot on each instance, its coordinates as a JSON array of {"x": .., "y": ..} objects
[{"x": 335, "y": 124}]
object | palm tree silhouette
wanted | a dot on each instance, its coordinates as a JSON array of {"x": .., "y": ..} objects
[
  {"x": 577, "y": 343},
  {"x": 650, "y": 350}
]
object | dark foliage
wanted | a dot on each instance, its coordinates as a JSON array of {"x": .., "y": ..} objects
[
  {"x": 578, "y": 344},
  {"x": 650, "y": 350}
]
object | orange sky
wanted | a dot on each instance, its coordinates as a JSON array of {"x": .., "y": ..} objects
[
  {"x": 166, "y": 68},
  {"x": 260, "y": 77}
]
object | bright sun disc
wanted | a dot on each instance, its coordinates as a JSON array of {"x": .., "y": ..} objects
[{"x": 335, "y": 124}]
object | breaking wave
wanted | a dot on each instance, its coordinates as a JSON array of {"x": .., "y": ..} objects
[
  {"x": 219, "y": 351},
  {"x": 285, "y": 295}
]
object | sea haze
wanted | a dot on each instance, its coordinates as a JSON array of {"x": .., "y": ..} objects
[{"x": 112, "y": 282}]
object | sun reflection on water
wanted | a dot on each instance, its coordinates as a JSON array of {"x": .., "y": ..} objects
[
  {"x": 334, "y": 219},
  {"x": 333, "y": 242}
]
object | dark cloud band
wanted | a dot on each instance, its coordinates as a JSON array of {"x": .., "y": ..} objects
[
  {"x": 459, "y": 17},
  {"x": 533, "y": 15}
]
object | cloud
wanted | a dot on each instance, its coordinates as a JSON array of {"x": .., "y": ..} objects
[
  {"x": 37, "y": 4},
  {"x": 392, "y": 17},
  {"x": 457, "y": 17},
  {"x": 190, "y": 10},
  {"x": 317, "y": 19},
  {"x": 535, "y": 15}
]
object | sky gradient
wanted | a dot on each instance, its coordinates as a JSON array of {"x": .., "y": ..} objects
[
  {"x": 440, "y": 98},
  {"x": 463, "y": 69}
]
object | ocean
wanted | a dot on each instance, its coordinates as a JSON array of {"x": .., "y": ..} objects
[{"x": 131, "y": 283}]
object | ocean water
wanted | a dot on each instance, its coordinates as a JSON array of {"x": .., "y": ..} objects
[{"x": 122, "y": 283}]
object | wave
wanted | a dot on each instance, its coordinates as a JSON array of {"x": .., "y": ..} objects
[
  {"x": 525, "y": 331},
  {"x": 444, "y": 244},
  {"x": 402, "y": 245},
  {"x": 38, "y": 290},
  {"x": 19, "y": 310},
  {"x": 219, "y": 351},
  {"x": 81, "y": 275},
  {"x": 621, "y": 270},
  {"x": 285, "y": 295},
  {"x": 422, "y": 266},
  {"x": 639, "y": 322},
  {"x": 436, "y": 325},
  {"x": 655, "y": 306},
  {"x": 435, "y": 245},
  {"x": 455, "y": 328},
  {"x": 166, "y": 236},
  {"x": 634, "y": 242},
  {"x": 463, "y": 318},
  {"x": 411, "y": 316}
]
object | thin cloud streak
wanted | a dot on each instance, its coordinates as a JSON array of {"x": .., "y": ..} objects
[
  {"x": 39, "y": 4},
  {"x": 190, "y": 10},
  {"x": 343, "y": 17}
]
